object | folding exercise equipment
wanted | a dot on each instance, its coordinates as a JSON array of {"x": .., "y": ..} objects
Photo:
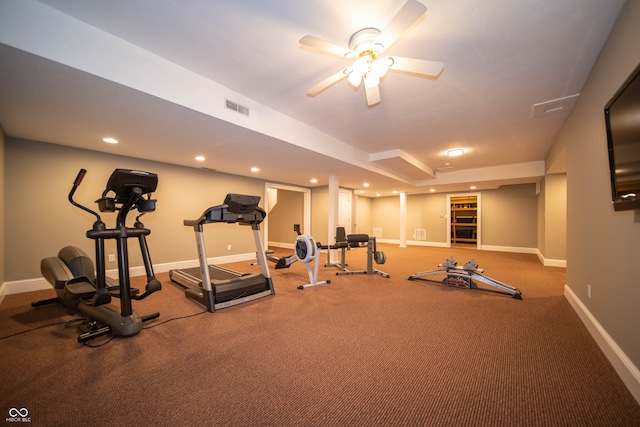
[
  {"x": 361, "y": 240},
  {"x": 308, "y": 250},
  {"x": 465, "y": 277},
  {"x": 217, "y": 287}
]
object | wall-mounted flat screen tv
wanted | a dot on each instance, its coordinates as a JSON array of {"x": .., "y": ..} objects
[{"x": 622, "y": 118}]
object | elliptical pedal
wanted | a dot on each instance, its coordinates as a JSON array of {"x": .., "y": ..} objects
[{"x": 80, "y": 287}]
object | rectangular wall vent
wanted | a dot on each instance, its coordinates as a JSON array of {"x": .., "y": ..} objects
[
  {"x": 420, "y": 234},
  {"x": 234, "y": 106},
  {"x": 377, "y": 232}
]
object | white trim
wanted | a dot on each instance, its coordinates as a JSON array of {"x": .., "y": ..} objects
[
  {"x": 20, "y": 286},
  {"x": 551, "y": 262},
  {"x": 413, "y": 242},
  {"x": 282, "y": 245},
  {"x": 625, "y": 368},
  {"x": 514, "y": 249}
]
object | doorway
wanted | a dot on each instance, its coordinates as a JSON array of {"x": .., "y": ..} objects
[
  {"x": 271, "y": 200},
  {"x": 345, "y": 210},
  {"x": 464, "y": 220}
]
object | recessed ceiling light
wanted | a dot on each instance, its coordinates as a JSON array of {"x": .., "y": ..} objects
[
  {"x": 254, "y": 169},
  {"x": 366, "y": 184},
  {"x": 433, "y": 190},
  {"x": 377, "y": 194},
  {"x": 110, "y": 140},
  {"x": 361, "y": 191},
  {"x": 200, "y": 158},
  {"x": 455, "y": 152},
  {"x": 314, "y": 181},
  {"x": 473, "y": 187}
]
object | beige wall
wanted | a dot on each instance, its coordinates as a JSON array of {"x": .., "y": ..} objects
[
  {"x": 552, "y": 219},
  {"x": 385, "y": 214},
  {"x": 40, "y": 175},
  {"x": 555, "y": 217},
  {"x": 363, "y": 213},
  {"x": 184, "y": 193},
  {"x": 320, "y": 216},
  {"x": 427, "y": 211},
  {"x": 510, "y": 217},
  {"x": 289, "y": 210},
  {"x": 541, "y": 207},
  {"x": 2, "y": 207},
  {"x": 602, "y": 245}
]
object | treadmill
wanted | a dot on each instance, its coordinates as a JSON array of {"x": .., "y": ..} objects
[{"x": 217, "y": 287}]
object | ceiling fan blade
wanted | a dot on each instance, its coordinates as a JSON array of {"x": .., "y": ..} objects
[
  {"x": 416, "y": 66},
  {"x": 328, "y": 47},
  {"x": 405, "y": 18},
  {"x": 329, "y": 81},
  {"x": 373, "y": 95}
]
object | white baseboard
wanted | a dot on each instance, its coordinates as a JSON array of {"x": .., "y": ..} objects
[
  {"x": 38, "y": 284},
  {"x": 412, "y": 242},
  {"x": 282, "y": 245},
  {"x": 551, "y": 262},
  {"x": 512, "y": 249},
  {"x": 625, "y": 368},
  {"x": 19, "y": 286}
]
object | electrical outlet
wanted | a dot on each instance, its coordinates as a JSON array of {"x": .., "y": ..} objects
[
  {"x": 589, "y": 291},
  {"x": 112, "y": 258},
  {"x": 228, "y": 247}
]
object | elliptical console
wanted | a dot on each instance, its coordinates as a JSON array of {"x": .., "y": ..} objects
[{"x": 71, "y": 273}]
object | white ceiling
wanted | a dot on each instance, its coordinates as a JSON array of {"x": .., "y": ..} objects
[{"x": 156, "y": 73}]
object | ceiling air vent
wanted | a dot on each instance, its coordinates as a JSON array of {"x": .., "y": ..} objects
[
  {"x": 234, "y": 106},
  {"x": 445, "y": 169}
]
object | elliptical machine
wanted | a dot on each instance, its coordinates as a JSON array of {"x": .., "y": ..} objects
[{"x": 72, "y": 275}]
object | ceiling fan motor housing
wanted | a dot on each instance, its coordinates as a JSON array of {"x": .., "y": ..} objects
[{"x": 365, "y": 40}]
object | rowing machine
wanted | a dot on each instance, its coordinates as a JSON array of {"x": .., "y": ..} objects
[
  {"x": 465, "y": 277},
  {"x": 306, "y": 251}
]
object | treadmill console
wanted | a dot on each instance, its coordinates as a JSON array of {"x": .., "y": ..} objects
[{"x": 241, "y": 203}]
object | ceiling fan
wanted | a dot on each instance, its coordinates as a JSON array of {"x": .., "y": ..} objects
[{"x": 365, "y": 48}]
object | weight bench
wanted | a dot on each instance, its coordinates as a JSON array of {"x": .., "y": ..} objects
[
  {"x": 362, "y": 240},
  {"x": 341, "y": 244}
]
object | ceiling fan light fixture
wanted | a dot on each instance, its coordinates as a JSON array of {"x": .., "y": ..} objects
[
  {"x": 455, "y": 152},
  {"x": 381, "y": 66},
  {"x": 364, "y": 47},
  {"x": 365, "y": 39},
  {"x": 354, "y": 79},
  {"x": 371, "y": 79}
]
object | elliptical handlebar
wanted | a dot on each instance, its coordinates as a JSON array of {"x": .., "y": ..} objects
[
  {"x": 79, "y": 178},
  {"x": 76, "y": 184}
]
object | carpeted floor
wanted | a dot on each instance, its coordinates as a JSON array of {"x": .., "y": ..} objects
[{"x": 363, "y": 350}]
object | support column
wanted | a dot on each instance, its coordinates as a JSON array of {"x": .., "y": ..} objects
[
  {"x": 334, "y": 187},
  {"x": 403, "y": 220}
]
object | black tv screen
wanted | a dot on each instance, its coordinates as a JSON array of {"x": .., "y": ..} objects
[{"x": 622, "y": 118}]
